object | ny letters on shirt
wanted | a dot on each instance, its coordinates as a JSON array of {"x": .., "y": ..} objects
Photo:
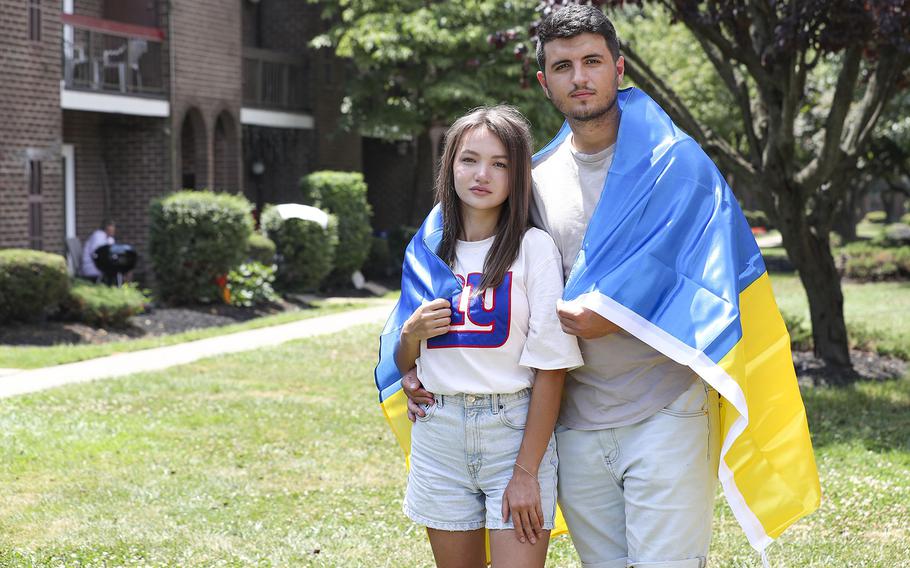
[{"x": 478, "y": 320}]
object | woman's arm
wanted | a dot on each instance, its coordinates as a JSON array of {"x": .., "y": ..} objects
[
  {"x": 429, "y": 320},
  {"x": 522, "y": 496}
]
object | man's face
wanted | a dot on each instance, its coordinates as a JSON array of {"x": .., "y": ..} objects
[
  {"x": 581, "y": 77},
  {"x": 110, "y": 230}
]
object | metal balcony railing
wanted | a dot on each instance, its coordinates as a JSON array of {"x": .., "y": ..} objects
[
  {"x": 108, "y": 56},
  {"x": 274, "y": 80}
]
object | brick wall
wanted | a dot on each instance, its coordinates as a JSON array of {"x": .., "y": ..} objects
[
  {"x": 83, "y": 131},
  {"x": 206, "y": 40},
  {"x": 289, "y": 26},
  {"x": 135, "y": 151},
  {"x": 31, "y": 127}
]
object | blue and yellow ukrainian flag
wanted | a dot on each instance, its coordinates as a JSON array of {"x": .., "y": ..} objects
[{"x": 668, "y": 256}]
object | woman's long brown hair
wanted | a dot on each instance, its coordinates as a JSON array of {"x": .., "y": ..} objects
[{"x": 513, "y": 131}]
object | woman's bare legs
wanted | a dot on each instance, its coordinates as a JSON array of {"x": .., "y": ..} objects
[
  {"x": 508, "y": 552},
  {"x": 458, "y": 549}
]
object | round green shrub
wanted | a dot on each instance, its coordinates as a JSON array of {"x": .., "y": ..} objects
[
  {"x": 32, "y": 284},
  {"x": 196, "y": 237},
  {"x": 261, "y": 249},
  {"x": 757, "y": 218},
  {"x": 304, "y": 250},
  {"x": 897, "y": 234},
  {"x": 104, "y": 306},
  {"x": 251, "y": 283},
  {"x": 343, "y": 194},
  {"x": 875, "y": 217},
  {"x": 867, "y": 261}
]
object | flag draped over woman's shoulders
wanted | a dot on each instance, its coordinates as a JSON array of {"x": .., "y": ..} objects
[
  {"x": 668, "y": 256},
  {"x": 424, "y": 277}
]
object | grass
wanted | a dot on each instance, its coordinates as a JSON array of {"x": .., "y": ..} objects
[
  {"x": 877, "y": 313},
  {"x": 280, "y": 457},
  {"x": 35, "y": 357}
]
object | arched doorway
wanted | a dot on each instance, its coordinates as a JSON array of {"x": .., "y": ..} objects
[
  {"x": 193, "y": 151},
  {"x": 226, "y": 156}
]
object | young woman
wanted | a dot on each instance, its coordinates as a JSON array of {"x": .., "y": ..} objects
[{"x": 483, "y": 456}]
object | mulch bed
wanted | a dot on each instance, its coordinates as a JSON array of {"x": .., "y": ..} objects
[
  {"x": 867, "y": 366},
  {"x": 156, "y": 321}
]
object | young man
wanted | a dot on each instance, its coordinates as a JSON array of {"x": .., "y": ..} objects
[
  {"x": 637, "y": 463},
  {"x": 667, "y": 288}
]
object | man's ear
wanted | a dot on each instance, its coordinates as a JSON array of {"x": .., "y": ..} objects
[
  {"x": 620, "y": 68},
  {"x": 542, "y": 79}
]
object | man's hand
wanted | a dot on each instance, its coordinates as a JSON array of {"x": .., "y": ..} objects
[
  {"x": 416, "y": 394},
  {"x": 582, "y": 322}
]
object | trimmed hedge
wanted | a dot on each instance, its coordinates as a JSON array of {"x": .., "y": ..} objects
[
  {"x": 757, "y": 218},
  {"x": 343, "y": 194},
  {"x": 875, "y": 217},
  {"x": 104, "y": 306},
  {"x": 32, "y": 284},
  {"x": 867, "y": 261},
  {"x": 896, "y": 234},
  {"x": 197, "y": 236},
  {"x": 260, "y": 248},
  {"x": 305, "y": 252}
]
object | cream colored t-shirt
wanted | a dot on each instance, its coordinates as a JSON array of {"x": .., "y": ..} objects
[
  {"x": 497, "y": 339},
  {"x": 623, "y": 380}
]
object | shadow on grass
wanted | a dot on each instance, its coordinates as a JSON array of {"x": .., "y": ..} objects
[{"x": 876, "y": 415}]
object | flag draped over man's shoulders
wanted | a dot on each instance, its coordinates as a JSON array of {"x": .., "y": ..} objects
[{"x": 668, "y": 256}]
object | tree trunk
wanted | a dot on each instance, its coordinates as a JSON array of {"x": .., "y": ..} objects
[
  {"x": 893, "y": 202},
  {"x": 846, "y": 219},
  {"x": 422, "y": 192},
  {"x": 811, "y": 255}
]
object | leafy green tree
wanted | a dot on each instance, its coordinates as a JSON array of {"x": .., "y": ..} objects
[
  {"x": 808, "y": 81},
  {"x": 419, "y": 65}
]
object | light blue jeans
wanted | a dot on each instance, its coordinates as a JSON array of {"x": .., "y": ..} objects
[
  {"x": 462, "y": 458},
  {"x": 643, "y": 494}
]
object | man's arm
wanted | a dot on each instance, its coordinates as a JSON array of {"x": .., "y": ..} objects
[{"x": 584, "y": 323}]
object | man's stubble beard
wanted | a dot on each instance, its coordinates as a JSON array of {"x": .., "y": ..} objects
[{"x": 590, "y": 114}]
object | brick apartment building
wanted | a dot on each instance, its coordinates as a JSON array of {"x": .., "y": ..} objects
[{"x": 107, "y": 104}]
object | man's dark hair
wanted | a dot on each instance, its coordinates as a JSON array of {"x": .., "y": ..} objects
[{"x": 572, "y": 21}]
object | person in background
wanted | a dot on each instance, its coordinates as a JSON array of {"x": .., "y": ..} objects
[{"x": 104, "y": 235}]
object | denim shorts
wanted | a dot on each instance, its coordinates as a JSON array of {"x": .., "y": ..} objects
[
  {"x": 462, "y": 457},
  {"x": 643, "y": 494}
]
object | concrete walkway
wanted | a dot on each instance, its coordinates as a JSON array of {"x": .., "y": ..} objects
[{"x": 121, "y": 364}]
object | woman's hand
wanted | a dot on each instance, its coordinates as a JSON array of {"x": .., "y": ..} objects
[
  {"x": 429, "y": 320},
  {"x": 521, "y": 500}
]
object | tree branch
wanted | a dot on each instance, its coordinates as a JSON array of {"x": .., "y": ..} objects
[
  {"x": 726, "y": 155},
  {"x": 740, "y": 91},
  {"x": 821, "y": 166}
]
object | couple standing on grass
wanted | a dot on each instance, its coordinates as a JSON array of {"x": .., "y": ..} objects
[{"x": 666, "y": 304}]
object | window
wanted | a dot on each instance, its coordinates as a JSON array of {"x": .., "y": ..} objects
[
  {"x": 34, "y": 20},
  {"x": 35, "y": 202}
]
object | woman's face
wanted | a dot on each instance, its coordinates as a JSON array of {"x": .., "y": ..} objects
[{"x": 481, "y": 171}]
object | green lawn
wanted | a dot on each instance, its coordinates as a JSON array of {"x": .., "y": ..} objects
[
  {"x": 280, "y": 457},
  {"x": 36, "y": 357},
  {"x": 877, "y": 313}
]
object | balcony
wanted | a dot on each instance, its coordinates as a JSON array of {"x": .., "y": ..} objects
[
  {"x": 105, "y": 57},
  {"x": 275, "y": 80}
]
